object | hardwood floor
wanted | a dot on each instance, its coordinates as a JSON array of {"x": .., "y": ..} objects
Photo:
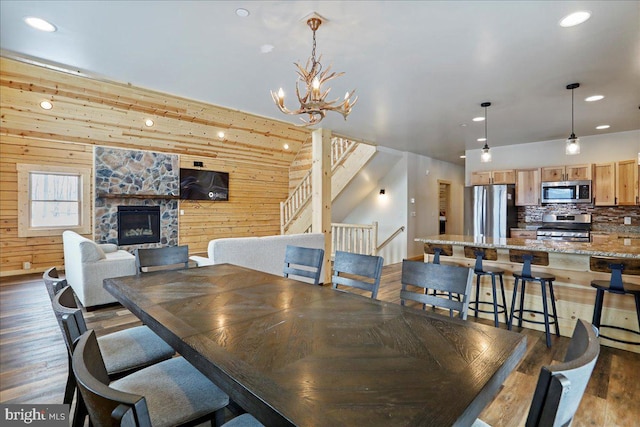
[{"x": 33, "y": 363}]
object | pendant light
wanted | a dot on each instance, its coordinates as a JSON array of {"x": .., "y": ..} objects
[
  {"x": 485, "y": 157},
  {"x": 573, "y": 143}
]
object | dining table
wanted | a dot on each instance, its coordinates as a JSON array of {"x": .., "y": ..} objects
[{"x": 295, "y": 354}]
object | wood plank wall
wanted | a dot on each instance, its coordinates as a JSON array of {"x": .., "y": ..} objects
[{"x": 89, "y": 112}]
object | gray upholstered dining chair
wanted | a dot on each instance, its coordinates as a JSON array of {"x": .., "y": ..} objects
[
  {"x": 303, "y": 262},
  {"x": 174, "y": 256},
  {"x": 169, "y": 393},
  {"x": 53, "y": 282},
  {"x": 447, "y": 280},
  {"x": 357, "y": 271},
  {"x": 561, "y": 386}
]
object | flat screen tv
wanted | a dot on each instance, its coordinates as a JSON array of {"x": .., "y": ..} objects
[{"x": 198, "y": 184}]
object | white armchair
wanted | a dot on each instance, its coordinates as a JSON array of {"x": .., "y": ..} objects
[{"x": 87, "y": 263}]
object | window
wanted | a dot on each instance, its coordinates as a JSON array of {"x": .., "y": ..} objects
[{"x": 52, "y": 199}]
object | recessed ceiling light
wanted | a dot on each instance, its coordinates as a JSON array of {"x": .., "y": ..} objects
[
  {"x": 220, "y": 134},
  {"x": 148, "y": 122},
  {"x": 478, "y": 119},
  {"x": 481, "y": 139},
  {"x": 594, "y": 98},
  {"x": 603, "y": 127},
  {"x": 46, "y": 105},
  {"x": 242, "y": 12},
  {"x": 575, "y": 18},
  {"x": 40, "y": 24},
  {"x": 286, "y": 146},
  {"x": 266, "y": 48}
]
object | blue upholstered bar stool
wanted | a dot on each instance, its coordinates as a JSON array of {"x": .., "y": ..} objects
[
  {"x": 545, "y": 280},
  {"x": 480, "y": 271},
  {"x": 615, "y": 286}
]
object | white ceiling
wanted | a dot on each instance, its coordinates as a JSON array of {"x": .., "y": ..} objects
[{"x": 421, "y": 68}]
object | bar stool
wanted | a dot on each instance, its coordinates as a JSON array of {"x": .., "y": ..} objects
[
  {"x": 437, "y": 250},
  {"x": 488, "y": 254},
  {"x": 615, "y": 286},
  {"x": 545, "y": 279}
]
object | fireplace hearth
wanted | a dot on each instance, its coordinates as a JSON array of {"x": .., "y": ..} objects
[{"x": 138, "y": 224}]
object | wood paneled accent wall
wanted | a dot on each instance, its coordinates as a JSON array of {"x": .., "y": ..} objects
[{"x": 87, "y": 112}]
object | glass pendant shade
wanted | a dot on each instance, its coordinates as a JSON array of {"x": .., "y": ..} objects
[
  {"x": 573, "y": 146},
  {"x": 485, "y": 157}
]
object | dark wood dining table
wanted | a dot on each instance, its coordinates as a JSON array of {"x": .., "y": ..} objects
[{"x": 292, "y": 353}]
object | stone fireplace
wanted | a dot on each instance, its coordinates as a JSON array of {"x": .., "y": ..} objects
[{"x": 136, "y": 181}]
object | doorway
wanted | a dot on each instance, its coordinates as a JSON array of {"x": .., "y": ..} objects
[{"x": 444, "y": 205}]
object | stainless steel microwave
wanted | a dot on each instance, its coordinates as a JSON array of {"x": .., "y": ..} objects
[{"x": 566, "y": 192}]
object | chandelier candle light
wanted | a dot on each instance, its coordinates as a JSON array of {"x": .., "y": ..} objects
[
  {"x": 485, "y": 157},
  {"x": 313, "y": 77},
  {"x": 573, "y": 143}
]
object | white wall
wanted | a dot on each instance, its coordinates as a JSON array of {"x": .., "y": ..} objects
[
  {"x": 389, "y": 211},
  {"x": 408, "y": 179},
  {"x": 593, "y": 149}
]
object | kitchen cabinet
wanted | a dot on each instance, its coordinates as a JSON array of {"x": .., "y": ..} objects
[
  {"x": 627, "y": 182},
  {"x": 566, "y": 173},
  {"x": 493, "y": 177},
  {"x": 604, "y": 184},
  {"x": 616, "y": 183},
  {"x": 527, "y": 187}
]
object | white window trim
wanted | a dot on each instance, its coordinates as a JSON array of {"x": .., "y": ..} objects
[{"x": 24, "y": 200}]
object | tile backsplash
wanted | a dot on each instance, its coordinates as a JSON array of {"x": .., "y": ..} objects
[{"x": 604, "y": 218}]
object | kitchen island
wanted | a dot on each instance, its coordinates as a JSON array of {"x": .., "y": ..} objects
[{"x": 575, "y": 265}]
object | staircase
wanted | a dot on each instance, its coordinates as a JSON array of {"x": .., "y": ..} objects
[{"x": 347, "y": 158}]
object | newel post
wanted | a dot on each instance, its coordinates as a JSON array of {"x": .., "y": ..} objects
[{"x": 321, "y": 192}]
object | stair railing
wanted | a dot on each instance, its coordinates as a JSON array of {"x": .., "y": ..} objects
[
  {"x": 356, "y": 238},
  {"x": 300, "y": 196}
]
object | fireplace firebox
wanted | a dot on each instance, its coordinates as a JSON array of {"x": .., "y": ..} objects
[{"x": 138, "y": 224}]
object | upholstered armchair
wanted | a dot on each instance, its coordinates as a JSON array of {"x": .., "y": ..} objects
[{"x": 87, "y": 263}]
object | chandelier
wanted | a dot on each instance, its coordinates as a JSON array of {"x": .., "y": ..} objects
[{"x": 313, "y": 102}]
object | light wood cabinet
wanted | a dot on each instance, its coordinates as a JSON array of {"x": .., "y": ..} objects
[
  {"x": 527, "y": 187},
  {"x": 565, "y": 173},
  {"x": 523, "y": 234},
  {"x": 616, "y": 183},
  {"x": 604, "y": 184},
  {"x": 627, "y": 182},
  {"x": 578, "y": 172},
  {"x": 493, "y": 177}
]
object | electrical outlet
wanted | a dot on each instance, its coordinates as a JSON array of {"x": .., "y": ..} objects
[
  {"x": 26, "y": 265},
  {"x": 627, "y": 220},
  {"x": 181, "y": 211}
]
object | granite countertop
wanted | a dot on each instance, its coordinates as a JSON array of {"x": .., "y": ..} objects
[{"x": 623, "y": 248}]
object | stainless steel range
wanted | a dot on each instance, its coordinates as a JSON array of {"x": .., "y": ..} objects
[{"x": 571, "y": 228}]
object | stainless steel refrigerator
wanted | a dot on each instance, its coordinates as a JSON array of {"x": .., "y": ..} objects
[{"x": 490, "y": 210}]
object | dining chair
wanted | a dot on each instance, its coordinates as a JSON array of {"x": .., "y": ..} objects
[
  {"x": 357, "y": 271},
  {"x": 124, "y": 351},
  {"x": 303, "y": 262},
  {"x": 561, "y": 386},
  {"x": 452, "y": 279},
  {"x": 174, "y": 256},
  {"x": 169, "y": 393},
  {"x": 53, "y": 282}
]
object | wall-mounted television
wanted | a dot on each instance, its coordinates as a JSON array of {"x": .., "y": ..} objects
[{"x": 196, "y": 184}]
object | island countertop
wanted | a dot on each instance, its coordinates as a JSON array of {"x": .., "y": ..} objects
[{"x": 623, "y": 248}]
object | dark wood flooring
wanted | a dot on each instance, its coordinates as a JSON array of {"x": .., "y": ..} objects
[{"x": 33, "y": 363}]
